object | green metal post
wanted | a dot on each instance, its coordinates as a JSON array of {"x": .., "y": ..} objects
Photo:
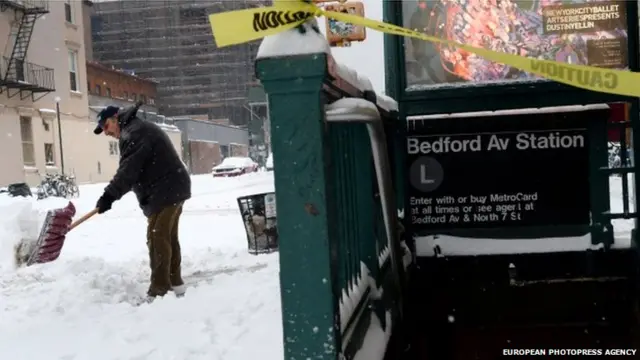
[{"x": 304, "y": 195}]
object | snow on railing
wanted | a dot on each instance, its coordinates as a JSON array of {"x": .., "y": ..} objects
[{"x": 293, "y": 42}]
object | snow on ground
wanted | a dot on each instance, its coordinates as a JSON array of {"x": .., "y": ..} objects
[{"x": 76, "y": 307}]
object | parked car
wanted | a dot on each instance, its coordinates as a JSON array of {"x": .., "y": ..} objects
[
  {"x": 234, "y": 166},
  {"x": 269, "y": 162}
]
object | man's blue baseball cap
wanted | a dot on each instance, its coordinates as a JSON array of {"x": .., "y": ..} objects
[{"x": 102, "y": 117}]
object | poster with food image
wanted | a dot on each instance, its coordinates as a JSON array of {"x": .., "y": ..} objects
[{"x": 584, "y": 32}]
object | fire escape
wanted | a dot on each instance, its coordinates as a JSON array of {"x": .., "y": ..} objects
[{"x": 17, "y": 76}]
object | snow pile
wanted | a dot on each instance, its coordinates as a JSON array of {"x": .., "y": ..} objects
[
  {"x": 232, "y": 300},
  {"x": 20, "y": 221},
  {"x": 352, "y": 106},
  {"x": 375, "y": 340},
  {"x": 269, "y": 163},
  {"x": 234, "y": 162},
  {"x": 168, "y": 127},
  {"x": 292, "y": 42},
  {"x": 353, "y": 295}
]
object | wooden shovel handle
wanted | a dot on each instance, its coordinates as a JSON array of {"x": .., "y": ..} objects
[{"x": 84, "y": 218}]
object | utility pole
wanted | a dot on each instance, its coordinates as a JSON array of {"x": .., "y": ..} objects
[{"x": 57, "y": 99}]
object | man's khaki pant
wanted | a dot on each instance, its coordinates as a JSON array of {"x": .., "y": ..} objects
[{"x": 164, "y": 250}]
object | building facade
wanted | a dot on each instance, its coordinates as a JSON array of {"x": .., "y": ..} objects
[
  {"x": 205, "y": 144},
  {"x": 42, "y": 66},
  {"x": 171, "y": 42},
  {"x": 46, "y": 125},
  {"x": 111, "y": 86}
]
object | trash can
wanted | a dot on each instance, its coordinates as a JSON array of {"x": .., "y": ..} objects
[{"x": 259, "y": 217}]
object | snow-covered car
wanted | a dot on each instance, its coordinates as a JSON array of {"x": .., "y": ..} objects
[
  {"x": 269, "y": 163},
  {"x": 234, "y": 166}
]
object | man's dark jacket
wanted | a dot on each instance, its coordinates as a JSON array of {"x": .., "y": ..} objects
[{"x": 149, "y": 166}]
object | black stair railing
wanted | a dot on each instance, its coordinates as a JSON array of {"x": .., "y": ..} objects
[
  {"x": 41, "y": 76},
  {"x": 21, "y": 45},
  {"x": 28, "y": 76},
  {"x": 30, "y": 6}
]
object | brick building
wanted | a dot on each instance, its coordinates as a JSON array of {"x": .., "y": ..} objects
[{"x": 109, "y": 85}]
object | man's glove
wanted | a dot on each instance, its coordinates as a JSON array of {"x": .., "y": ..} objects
[{"x": 104, "y": 203}]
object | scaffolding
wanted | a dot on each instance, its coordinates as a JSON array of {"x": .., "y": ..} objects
[{"x": 171, "y": 42}]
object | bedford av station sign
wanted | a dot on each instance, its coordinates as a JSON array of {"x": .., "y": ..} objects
[{"x": 484, "y": 178}]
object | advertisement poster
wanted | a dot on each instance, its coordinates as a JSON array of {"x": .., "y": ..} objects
[{"x": 586, "y": 32}]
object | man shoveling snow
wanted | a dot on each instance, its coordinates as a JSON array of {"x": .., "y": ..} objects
[{"x": 151, "y": 168}]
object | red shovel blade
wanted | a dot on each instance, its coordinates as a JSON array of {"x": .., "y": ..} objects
[{"x": 52, "y": 235}]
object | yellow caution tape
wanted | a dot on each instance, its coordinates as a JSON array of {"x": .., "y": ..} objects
[
  {"x": 237, "y": 27},
  {"x": 241, "y": 26}
]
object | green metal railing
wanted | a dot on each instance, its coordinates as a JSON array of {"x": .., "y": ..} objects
[
  {"x": 354, "y": 242},
  {"x": 337, "y": 214}
]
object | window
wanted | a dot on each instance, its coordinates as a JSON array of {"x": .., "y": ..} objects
[
  {"x": 224, "y": 151},
  {"x": 152, "y": 101},
  {"x": 88, "y": 85},
  {"x": 113, "y": 148},
  {"x": 126, "y": 95},
  {"x": 108, "y": 92},
  {"x": 73, "y": 70},
  {"x": 26, "y": 133},
  {"x": 133, "y": 96},
  {"x": 98, "y": 90},
  {"x": 143, "y": 99},
  {"x": 68, "y": 11},
  {"x": 49, "y": 159}
]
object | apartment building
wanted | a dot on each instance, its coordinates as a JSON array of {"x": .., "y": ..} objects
[
  {"x": 41, "y": 69},
  {"x": 45, "y": 120}
]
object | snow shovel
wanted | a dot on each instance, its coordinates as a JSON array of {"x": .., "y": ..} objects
[{"x": 56, "y": 225}]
